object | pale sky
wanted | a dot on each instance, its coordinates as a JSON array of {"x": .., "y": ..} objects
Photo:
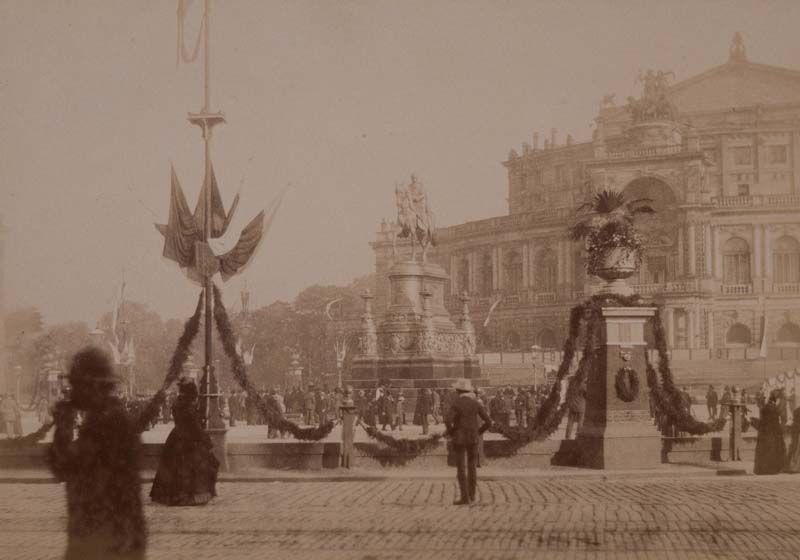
[{"x": 340, "y": 99}]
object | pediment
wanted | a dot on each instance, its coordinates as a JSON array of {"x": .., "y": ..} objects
[{"x": 736, "y": 84}]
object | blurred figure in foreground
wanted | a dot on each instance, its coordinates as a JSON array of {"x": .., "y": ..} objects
[{"x": 100, "y": 467}]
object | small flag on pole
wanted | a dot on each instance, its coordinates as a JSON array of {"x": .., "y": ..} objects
[
  {"x": 491, "y": 310},
  {"x": 763, "y": 352}
]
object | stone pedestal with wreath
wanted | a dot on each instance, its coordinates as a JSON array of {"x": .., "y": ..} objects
[{"x": 618, "y": 431}]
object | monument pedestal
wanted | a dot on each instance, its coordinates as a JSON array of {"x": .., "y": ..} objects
[
  {"x": 618, "y": 431},
  {"x": 416, "y": 345}
]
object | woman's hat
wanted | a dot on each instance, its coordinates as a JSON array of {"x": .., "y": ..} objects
[
  {"x": 92, "y": 365},
  {"x": 463, "y": 385}
]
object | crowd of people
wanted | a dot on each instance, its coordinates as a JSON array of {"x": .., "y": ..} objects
[
  {"x": 97, "y": 455},
  {"x": 10, "y": 416}
]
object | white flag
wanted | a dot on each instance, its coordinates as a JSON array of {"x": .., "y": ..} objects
[{"x": 763, "y": 353}]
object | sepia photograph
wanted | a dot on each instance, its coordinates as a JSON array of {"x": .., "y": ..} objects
[{"x": 400, "y": 279}]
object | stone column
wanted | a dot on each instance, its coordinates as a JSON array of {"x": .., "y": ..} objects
[
  {"x": 525, "y": 276},
  {"x": 757, "y": 256},
  {"x": 454, "y": 288},
  {"x": 692, "y": 250},
  {"x": 670, "y": 327},
  {"x": 619, "y": 434},
  {"x": 473, "y": 274},
  {"x": 681, "y": 250},
  {"x": 768, "y": 279},
  {"x": 709, "y": 257},
  {"x": 531, "y": 266},
  {"x": 710, "y": 327},
  {"x": 560, "y": 263},
  {"x": 690, "y": 326},
  {"x": 500, "y": 271},
  {"x": 568, "y": 266},
  {"x": 495, "y": 271},
  {"x": 717, "y": 254}
]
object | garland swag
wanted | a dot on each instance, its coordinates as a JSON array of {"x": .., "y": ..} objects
[
  {"x": 268, "y": 406},
  {"x": 550, "y": 415},
  {"x": 179, "y": 357},
  {"x": 404, "y": 446},
  {"x": 667, "y": 400}
]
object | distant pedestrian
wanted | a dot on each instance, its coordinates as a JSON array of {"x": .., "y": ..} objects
[
  {"x": 309, "y": 406},
  {"x": 424, "y": 407},
  {"x": 712, "y": 402},
  {"x": 11, "y": 415},
  {"x": 770, "y": 447},
  {"x": 437, "y": 407},
  {"x": 100, "y": 467},
  {"x": 463, "y": 427},
  {"x": 576, "y": 410},
  {"x": 725, "y": 402}
]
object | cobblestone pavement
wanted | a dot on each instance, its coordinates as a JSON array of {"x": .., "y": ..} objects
[{"x": 737, "y": 517}]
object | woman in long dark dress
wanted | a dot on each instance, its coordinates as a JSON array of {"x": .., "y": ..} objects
[
  {"x": 770, "y": 447},
  {"x": 187, "y": 471}
]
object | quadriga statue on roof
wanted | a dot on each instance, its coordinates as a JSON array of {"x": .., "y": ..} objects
[
  {"x": 654, "y": 104},
  {"x": 414, "y": 218}
]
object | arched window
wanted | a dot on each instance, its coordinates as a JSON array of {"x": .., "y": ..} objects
[
  {"x": 513, "y": 341},
  {"x": 546, "y": 271},
  {"x": 786, "y": 261},
  {"x": 736, "y": 261},
  {"x": 738, "y": 334},
  {"x": 463, "y": 276},
  {"x": 546, "y": 339},
  {"x": 789, "y": 333},
  {"x": 486, "y": 275},
  {"x": 513, "y": 272}
]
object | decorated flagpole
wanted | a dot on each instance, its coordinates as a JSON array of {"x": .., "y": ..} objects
[
  {"x": 206, "y": 120},
  {"x": 187, "y": 233}
]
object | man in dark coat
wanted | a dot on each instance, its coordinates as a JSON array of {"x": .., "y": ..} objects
[
  {"x": 712, "y": 402},
  {"x": 464, "y": 428},
  {"x": 100, "y": 467},
  {"x": 424, "y": 408}
]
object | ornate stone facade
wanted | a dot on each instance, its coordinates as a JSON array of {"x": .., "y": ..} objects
[{"x": 723, "y": 250}]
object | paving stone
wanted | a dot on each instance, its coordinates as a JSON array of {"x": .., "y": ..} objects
[{"x": 731, "y": 518}]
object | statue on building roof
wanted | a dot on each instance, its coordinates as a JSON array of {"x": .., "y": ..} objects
[
  {"x": 654, "y": 105},
  {"x": 737, "y": 52}
]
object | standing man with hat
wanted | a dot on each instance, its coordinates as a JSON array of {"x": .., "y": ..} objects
[
  {"x": 100, "y": 467},
  {"x": 464, "y": 427}
]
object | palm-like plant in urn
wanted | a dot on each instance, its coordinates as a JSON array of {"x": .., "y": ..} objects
[{"x": 613, "y": 246}]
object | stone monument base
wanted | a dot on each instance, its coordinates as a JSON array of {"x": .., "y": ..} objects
[{"x": 637, "y": 446}]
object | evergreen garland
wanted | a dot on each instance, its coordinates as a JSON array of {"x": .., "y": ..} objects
[
  {"x": 551, "y": 413},
  {"x": 179, "y": 357},
  {"x": 405, "y": 446},
  {"x": 667, "y": 400},
  {"x": 268, "y": 406}
]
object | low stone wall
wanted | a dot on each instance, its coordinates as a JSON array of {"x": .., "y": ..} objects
[
  {"x": 299, "y": 455},
  {"x": 499, "y": 453}
]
